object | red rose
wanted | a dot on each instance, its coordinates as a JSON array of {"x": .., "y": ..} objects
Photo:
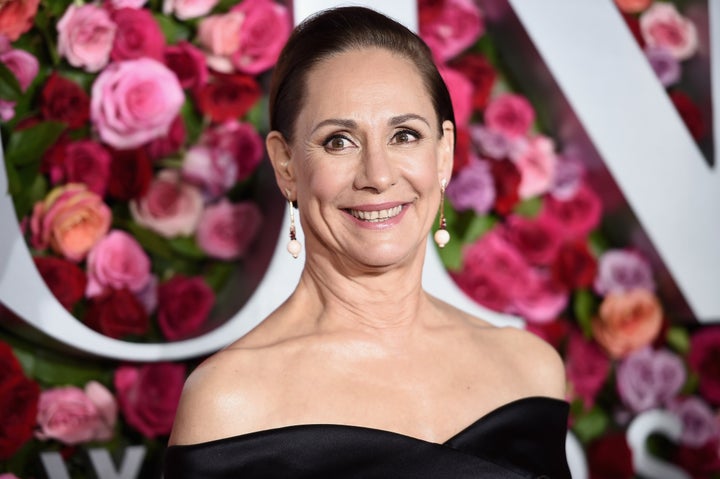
[
  {"x": 633, "y": 23},
  {"x": 701, "y": 462},
  {"x": 138, "y": 35},
  {"x": 130, "y": 174},
  {"x": 226, "y": 97},
  {"x": 507, "y": 178},
  {"x": 553, "y": 332},
  {"x": 575, "y": 266},
  {"x": 704, "y": 359},
  {"x": 483, "y": 289},
  {"x": 170, "y": 143},
  {"x": 117, "y": 313},
  {"x": 87, "y": 162},
  {"x": 149, "y": 395},
  {"x": 429, "y": 10},
  {"x": 188, "y": 63},
  {"x": 184, "y": 304},
  {"x": 482, "y": 75},
  {"x": 64, "y": 278},
  {"x": 63, "y": 100},
  {"x": 609, "y": 457},
  {"x": 690, "y": 114},
  {"x": 18, "y": 403},
  {"x": 462, "y": 150},
  {"x": 587, "y": 367},
  {"x": 537, "y": 241}
]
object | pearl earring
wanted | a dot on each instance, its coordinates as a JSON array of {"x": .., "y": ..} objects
[
  {"x": 442, "y": 237},
  {"x": 294, "y": 247}
]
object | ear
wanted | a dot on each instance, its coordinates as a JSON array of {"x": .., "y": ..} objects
[
  {"x": 446, "y": 151},
  {"x": 281, "y": 160}
]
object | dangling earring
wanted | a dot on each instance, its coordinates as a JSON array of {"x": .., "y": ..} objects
[
  {"x": 294, "y": 247},
  {"x": 442, "y": 237}
]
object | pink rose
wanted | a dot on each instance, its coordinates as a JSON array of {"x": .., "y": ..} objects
[
  {"x": 87, "y": 162},
  {"x": 263, "y": 33},
  {"x": 135, "y": 101},
  {"x": 461, "y": 94},
  {"x": 149, "y": 395},
  {"x": 541, "y": 299},
  {"x": 481, "y": 287},
  {"x": 71, "y": 220},
  {"x": 16, "y": 17},
  {"x": 647, "y": 379},
  {"x": 117, "y": 261},
  {"x": 187, "y": 9},
  {"x": 85, "y": 36},
  {"x": 138, "y": 35},
  {"x": 241, "y": 140},
  {"x": 212, "y": 170},
  {"x": 188, "y": 63},
  {"x": 662, "y": 25},
  {"x": 170, "y": 207},
  {"x": 577, "y": 215},
  {"x": 118, "y": 4},
  {"x": 23, "y": 65},
  {"x": 457, "y": 25},
  {"x": 184, "y": 304},
  {"x": 226, "y": 230},
  {"x": 536, "y": 162},
  {"x": 510, "y": 114},
  {"x": 73, "y": 416},
  {"x": 220, "y": 36},
  {"x": 587, "y": 367}
]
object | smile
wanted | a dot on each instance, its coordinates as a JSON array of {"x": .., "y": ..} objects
[{"x": 376, "y": 215}]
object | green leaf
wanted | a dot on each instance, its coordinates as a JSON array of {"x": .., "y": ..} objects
[
  {"x": 584, "y": 306},
  {"x": 54, "y": 369},
  {"x": 591, "y": 425},
  {"x": 173, "y": 30},
  {"x": 258, "y": 115},
  {"x": 478, "y": 226},
  {"x": 218, "y": 274},
  {"x": 529, "y": 207},
  {"x": 186, "y": 246},
  {"x": 9, "y": 86},
  {"x": 451, "y": 255},
  {"x": 678, "y": 339},
  {"x": 151, "y": 241},
  {"x": 27, "y": 146}
]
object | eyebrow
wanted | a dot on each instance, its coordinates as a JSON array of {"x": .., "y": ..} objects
[{"x": 352, "y": 124}]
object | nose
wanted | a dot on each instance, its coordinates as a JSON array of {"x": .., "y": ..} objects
[{"x": 375, "y": 171}]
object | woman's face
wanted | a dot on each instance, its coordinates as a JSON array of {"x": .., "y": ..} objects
[{"x": 367, "y": 158}]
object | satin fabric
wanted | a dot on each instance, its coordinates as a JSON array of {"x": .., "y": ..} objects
[{"x": 522, "y": 439}]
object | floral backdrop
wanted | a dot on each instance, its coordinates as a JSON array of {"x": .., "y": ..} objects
[{"x": 132, "y": 132}]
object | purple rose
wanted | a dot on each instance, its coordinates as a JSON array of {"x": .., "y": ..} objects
[
  {"x": 666, "y": 66},
  {"x": 648, "y": 379},
  {"x": 473, "y": 188},
  {"x": 489, "y": 142},
  {"x": 623, "y": 270},
  {"x": 569, "y": 174},
  {"x": 700, "y": 424}
]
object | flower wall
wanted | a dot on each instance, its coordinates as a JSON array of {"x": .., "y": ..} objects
[{"x": 132, "y": 132}]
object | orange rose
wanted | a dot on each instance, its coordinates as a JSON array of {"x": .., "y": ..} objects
[
  {"x": 70, "y": 220},
  {"x": 632, "y": 6},
  {"x": 627, "y": 321},
  {"x": 16, "y": 17}
]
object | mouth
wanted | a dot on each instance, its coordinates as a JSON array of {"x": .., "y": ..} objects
[{"x": 376, "y": 216}]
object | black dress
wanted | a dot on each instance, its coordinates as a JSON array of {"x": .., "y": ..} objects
[{"x": 522, "y": 439}]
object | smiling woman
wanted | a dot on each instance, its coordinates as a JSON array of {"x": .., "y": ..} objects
[{"x": 360, "y": 372}]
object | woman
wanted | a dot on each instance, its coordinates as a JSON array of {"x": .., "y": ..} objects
[{"x": 360, "y": 373}]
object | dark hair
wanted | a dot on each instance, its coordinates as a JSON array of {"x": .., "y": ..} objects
[{"x": 335, "y": 31}]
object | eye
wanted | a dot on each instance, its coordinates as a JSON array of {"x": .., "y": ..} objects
[
  {"x": 337, "y": 143},
  {"x": 405, "y": 136}
]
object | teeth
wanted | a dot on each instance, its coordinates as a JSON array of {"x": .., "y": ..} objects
[{"x": 377, "y": 215}]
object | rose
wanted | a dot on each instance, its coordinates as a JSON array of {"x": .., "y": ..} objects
[
  {"x": 662, "y": 25},
  {"x": 647, "y": 379},
  {"x": 241, "y": 141},
  {"x": 263, "y": 33},
  {"x": 700, "y": 424},
  {"x": 83, "y": 161},
  {"x": 212, "y": 170},
  {"x": 481, "y": 74},
  {"x": 699, "y": 462},
  {"x": 134, "y": 101},
  {"x": 483, "y": 288},
  {"x": 452, "y": 29},
  {"x": 509, "y": 114},
  {"x": 64, "y": 100},
  {"x": 627, "y": 321},
  {"x": 473, "y": 188},
  {"x": 610, "y": 457},
  {"x": 633, "y": 6},
  {"x": 188, "y": 63},
  {"x": 117, "y": 261},
  {"x": 184, "y": 304},
  {"x": 19, "y": 405},
  {"x": 170, "y": 207},
  {"x": 569, "y": 173},
  {"x": 507, "y": 181},
  {"x": 73, "y": 416},
  {"x": 553, "y": 332},
  {"x": 666, "y": 66},
  {"x": 130, "y": 174},
  {"x": 166, "y": 145},
  {"x": 116, "y": 4},
  {"x": 690, "y": 114},
  {"x": 226, "y": 230},
  {"x": 462, "y": 150},
  {"x": 17, "y": 17},
  {"x": 138, "y": 35},
  {"x": 220, "y": 36},
  {"x": 65, "y": 279},
  {"x": 85, "y": 36},
  {"x": 10, "y": 368},
  {"x": 623, "y": 270},
  {"x": 489, "y": 142},
  {"x": 187, "y": 9},
  {"x": 71, "y": 220},
  {"x": 21, "y": 63},
  {"x": 227, "y": 97},
  {"x": 577, "y": 215},
  {"x": 117, "y": 313},
  {"x": 461, "y": 94},
  {"x": 149, "y": 394},
  {"x": 587, "y": 367},
  {"x": 536, "y": 162},
  {"x": 704, "y": 359},
  {"x": 540, "y": 299},
  {"x": 537, "y": 241},
  {"x": 574, "y": 265}
]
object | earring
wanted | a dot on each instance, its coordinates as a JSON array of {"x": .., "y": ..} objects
[
  {"x": 442, "y": 237},
  {"x": 294, "y": 247}
]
